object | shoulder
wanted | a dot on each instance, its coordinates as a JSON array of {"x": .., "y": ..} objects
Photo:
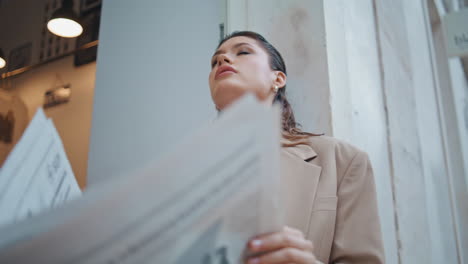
[
  {"x": 326, "y": 144},
  {"x": 335, "y": 152}
]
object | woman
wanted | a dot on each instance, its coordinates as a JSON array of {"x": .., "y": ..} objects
[{"x": 328, "y": 185}]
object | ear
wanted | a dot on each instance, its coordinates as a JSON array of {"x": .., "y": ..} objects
[{"x": 280, "y": 79}]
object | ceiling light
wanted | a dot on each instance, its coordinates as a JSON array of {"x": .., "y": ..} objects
[
  {"x": 2, "y": 59},
  {"x": 64, "y": 21}
]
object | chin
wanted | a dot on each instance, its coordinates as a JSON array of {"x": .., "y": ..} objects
[{"x": 223, "y": 99}]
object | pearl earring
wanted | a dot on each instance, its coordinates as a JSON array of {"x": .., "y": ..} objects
[{"x": 276, "y": 89}]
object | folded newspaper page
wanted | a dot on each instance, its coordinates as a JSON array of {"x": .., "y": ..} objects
[
  {"x": 36, "y": 174},
  {"x": 199, "y": 204}
]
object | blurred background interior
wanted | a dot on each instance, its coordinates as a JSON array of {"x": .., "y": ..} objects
[{"x": 125, "y": 80}]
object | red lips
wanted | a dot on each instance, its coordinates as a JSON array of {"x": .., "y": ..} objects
[{"x": 224, "y": 68}]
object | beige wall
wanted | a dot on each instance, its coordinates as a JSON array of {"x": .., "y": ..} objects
[{"x": 73, "y": 119}]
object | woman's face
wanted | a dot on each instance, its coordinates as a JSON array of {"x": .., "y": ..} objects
[{"x": 241, "y": 65}]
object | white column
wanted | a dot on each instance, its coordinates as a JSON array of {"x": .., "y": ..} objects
[
  {"x": 357, "y": 99},
  {"x": 402, "y": 107},
  {"x": 151, "y": 80},
  {"x": 296, "y": 29}
]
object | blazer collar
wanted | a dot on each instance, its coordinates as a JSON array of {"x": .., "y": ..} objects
[{"x": 302, "y": 151}]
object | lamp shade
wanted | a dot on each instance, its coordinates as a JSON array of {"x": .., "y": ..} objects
[
  {"x": 64, "y": 22},
  {"x": 2, "y": 59}
]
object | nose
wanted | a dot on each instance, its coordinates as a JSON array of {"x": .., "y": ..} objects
[{"x": 223, "y": 58}]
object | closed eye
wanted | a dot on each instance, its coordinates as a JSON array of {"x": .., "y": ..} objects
[{"x": 240, "y": 53}]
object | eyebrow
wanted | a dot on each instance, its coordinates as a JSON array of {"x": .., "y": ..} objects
[{"x": 235, "y": 46}]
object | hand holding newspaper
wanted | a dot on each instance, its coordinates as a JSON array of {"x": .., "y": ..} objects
[{"x": 199, "y": 204}]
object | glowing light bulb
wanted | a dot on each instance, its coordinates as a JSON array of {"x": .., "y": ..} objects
[
  {"x": 2, "y": 62},
  {"x": 65, "y": 27}
]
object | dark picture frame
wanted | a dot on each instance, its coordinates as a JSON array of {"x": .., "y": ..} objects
[
  {"x": 90, "y": 20},
  {"x": 86, "y": 5},
  {"x": 20, "y": 57}
]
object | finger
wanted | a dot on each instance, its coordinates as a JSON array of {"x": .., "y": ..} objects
[
  {"x": 293, "y": 231},
  {"x": 285, "y": 255},
  {"x": 286, "y": 229},
  {"x": 279, "y": 240}
]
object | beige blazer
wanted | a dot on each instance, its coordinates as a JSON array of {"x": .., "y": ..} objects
[{"x": 328, "y": 192}]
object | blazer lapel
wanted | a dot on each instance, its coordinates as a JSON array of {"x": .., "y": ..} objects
[{"x": 299, "y": 180}]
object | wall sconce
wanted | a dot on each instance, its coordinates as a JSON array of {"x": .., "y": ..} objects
[
  {"x": 64, "y": 21},
  {"x": 2, "y": 59},
  {"x": 58, "y": 95}
]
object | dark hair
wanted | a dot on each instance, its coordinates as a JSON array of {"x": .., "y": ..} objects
[{"x": 291, "y": 129}]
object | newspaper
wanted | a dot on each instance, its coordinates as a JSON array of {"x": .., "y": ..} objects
[
  {"x": 37, "y": 174},
  {"x": 199, "y": 204}
]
